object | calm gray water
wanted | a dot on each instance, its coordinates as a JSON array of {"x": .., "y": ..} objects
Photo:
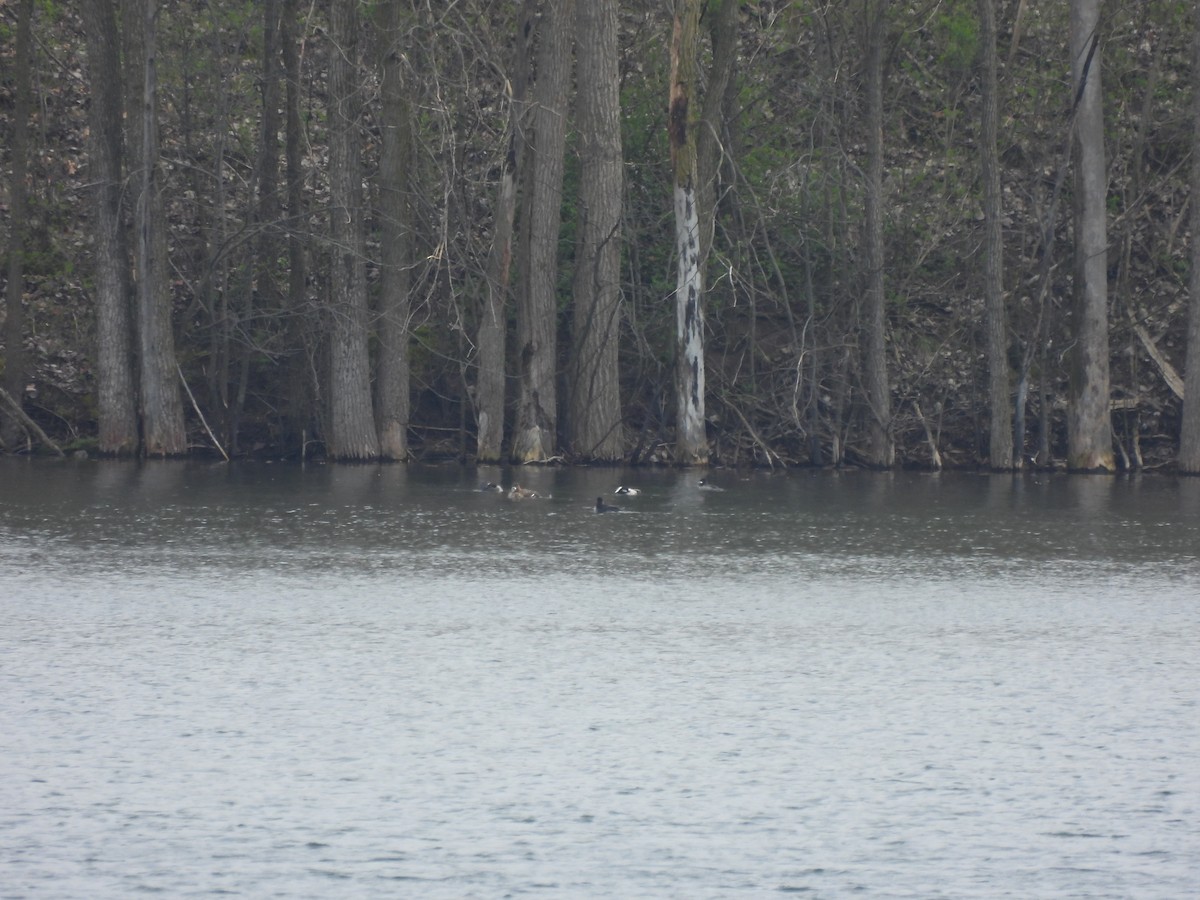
[{"x": 264, "y": 680}]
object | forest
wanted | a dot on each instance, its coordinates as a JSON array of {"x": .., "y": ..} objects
[{"x": 873, "y": 233}]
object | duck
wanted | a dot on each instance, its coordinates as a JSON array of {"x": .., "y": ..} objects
[
  {"x": 602, "y": 507},
  {"x": 490, "y": 487},
  {"x": 519, "y": 493},
  {"x": 627, "y": 491},
  {"x": 705, "y": 486}
]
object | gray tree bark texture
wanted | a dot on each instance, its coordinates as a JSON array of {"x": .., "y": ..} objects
[
  {"x": 535, "y": 437},
  {"x": 1089, "y": 428},
  {"x": 352, "y": 424},
  {"x": 116, "y": 386},
  {"x": 595, "y": 384}
]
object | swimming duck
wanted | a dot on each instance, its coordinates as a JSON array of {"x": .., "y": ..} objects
[
  {"x": 520, "y": 493},
  {"x": 602, "y": 507},
  {"x": 628, "y": 491},
  {"x": 705, "y": 486},
  {"x": 490, "y": 487}
]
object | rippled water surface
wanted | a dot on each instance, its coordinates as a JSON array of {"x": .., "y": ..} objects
[{"x": 359, "y": 681}]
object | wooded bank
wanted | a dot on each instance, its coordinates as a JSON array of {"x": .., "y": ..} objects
[{"x": 752, "y": 233}]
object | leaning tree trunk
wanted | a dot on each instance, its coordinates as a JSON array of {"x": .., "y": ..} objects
[
  {"x": 537, "y": 413},
  {"x": 352, "y": 422},
  {"x": 14, "y": 322},
  {"x": 881, "y": 450},
  {"x": 1089, "y": 429},
  {"x": 116, "y": 387},
  {"x": 1000, "y": 445},
  {"x": 595, "y": 385},
  {"x": 691, "y": 443},
  {"x": 493, "y": 316},
  {"x": 1189, "y": 442},
  {"x": 163, "y": 432},
  {"x": 395, "y": 236}
]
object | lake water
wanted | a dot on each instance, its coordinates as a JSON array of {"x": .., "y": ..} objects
[{"x": 267, "y": 680}]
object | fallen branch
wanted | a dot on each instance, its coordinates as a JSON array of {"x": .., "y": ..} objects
[
  {"x": 203, "y": 421},
  {"x": 767, "y": 451},
  {"x": 1170, "y": 376},
  {"x": 935, "y": 457},
  {"x": 24, "y": 419}
]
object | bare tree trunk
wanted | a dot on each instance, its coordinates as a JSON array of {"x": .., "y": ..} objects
[
  {"x": 493, "y": 317},
  {"x": 881, "y": 450},
  {"x": 299, "y": 404},
  {"x": 595, "y": 388},
  {"x": 691, "y": 442},
  {"x": 163, "y": 432},
  {"x": 1000, "y": 447},
  {"x": 395, "y": 238},
  {"x": 1089, "y": 428},
  {"x": 537, "y": 408},
  {"x": 352, "y": 423},
  {"x": 14, "y": 321},
  {"x": 116, "y": 386},
  {"x": 1189, "y": 442}
]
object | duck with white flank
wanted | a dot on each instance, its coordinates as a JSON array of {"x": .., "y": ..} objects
[
  {"x": 627, "y": 491},
  {"x": 602, "y": 507},
  {"x": 490, "y": 487}
]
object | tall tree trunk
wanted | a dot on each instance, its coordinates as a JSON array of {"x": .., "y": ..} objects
[
  {"x": 537, "y": 411},
  {"x": 116, "y": 385},
  {"x": 881, "y": 450},
  {"x": 691, "y": 443},
  {"x": 1189, "y": 442},
  {"x": 395, "y": 239},
  {"x": 163, "y": 432},
  {"x": 1000, "y": 446},
  {"x": 14, "y": 322},
  {"x": 1089, "y": 428},
  {"x": 299, "y": 404},
  {"x": 493, "y": 316},
  {"x": 352, "y": 423},
  {"x": 595, "y": 385}
]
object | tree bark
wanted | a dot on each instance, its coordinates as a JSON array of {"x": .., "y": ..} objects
[
  {"x": 163, "y": 432},
  {"x": 1189, "y": 442},
  {"x": 1089, "y": 428},
  {"x": 537, "y": 413},
  {"x": 595, "y": 389},
  {"x": 395, "y": 239},
  {"x": 352, "y": 424},
  {"x": 493, "y": 316},
  {"x": 116, "y": 386},
  {"x": 881, "y": 451},
  {"x": 299, "y": 404},
  {"x": 691, "y": 442},
  {"x": 15, "y": 362},
  {"x": 1000, "y": 443}
]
